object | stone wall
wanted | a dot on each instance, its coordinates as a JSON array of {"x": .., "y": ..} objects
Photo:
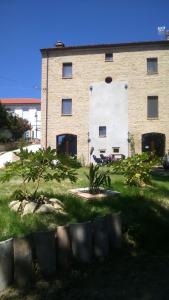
[
  {"x": 129, "y": 64},
  {"x": 23, "y": 259}
]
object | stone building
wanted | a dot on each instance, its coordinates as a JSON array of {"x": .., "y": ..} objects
[{"x": 101, "y": 95}]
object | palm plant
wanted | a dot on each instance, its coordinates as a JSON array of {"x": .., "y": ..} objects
[{"x": 97, "y": 178}]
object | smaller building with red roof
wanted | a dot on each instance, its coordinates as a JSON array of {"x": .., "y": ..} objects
[{"x": 29, "y": 109}]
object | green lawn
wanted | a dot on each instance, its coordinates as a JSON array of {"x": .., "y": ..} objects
[
  {"x": 145, "y": 211},
  {"x": 140, "y": 270}
]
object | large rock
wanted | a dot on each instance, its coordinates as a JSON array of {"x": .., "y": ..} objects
[
  {"x": 63, "y": 246},
  {"x": 45, "y": 208},
  {"x": 29, "y": 208},
  {"x": 12, "y": 203},
  {"x": 55, "y": 201},
  {"x": 114, "y": 230},
  {"x": 81, "y": 240},
  {"x": 45, "y": 249},
  {"x": 101, "y": 240},
  {"x": 6, "y": 263},
  {"x": 16, "y": 206},
  {"x": 23, "y": 265}
]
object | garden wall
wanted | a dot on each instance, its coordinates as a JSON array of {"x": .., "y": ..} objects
[{"x": 49, "y": 251}]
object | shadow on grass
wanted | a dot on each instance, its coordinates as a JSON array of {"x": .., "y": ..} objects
[
  {"x": 145, "y": 222},
  {"x": 121, "y": 277}
]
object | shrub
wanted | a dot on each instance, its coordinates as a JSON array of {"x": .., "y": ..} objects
[
  {"x": 137, "y": 169},
  {"x": 32, "y": 167},
  {"x": 97, "y": 178},
  {"x": 69, "y": 161}
]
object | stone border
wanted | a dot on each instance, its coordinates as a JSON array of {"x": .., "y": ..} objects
[
  {"x": 43, "y": 253},
  {"x": 84, "y": 193}
]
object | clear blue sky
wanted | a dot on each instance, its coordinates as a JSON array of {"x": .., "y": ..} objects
[{"x": 28, "y": 25}]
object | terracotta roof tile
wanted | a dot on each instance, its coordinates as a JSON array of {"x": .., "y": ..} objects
[{"x": 20, "y": 101}]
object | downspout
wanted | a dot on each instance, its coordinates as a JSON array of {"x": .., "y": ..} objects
[{"x": 47, "y": 72}]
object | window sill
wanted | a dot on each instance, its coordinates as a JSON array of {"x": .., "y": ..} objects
[
  {"x": 67, "y": 77},
  {"x": 153, "y": 118},
  {"x": 108, "y": 60},
  {"x": 102, "y": 136},
  {"x": 155, "y": 73},
  {"x": 66, "y": 115}
]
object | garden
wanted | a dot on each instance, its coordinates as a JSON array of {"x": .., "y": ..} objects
[{"x": 133, "y": 272}]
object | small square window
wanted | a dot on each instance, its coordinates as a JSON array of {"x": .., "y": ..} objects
[
  {"x": 108, "y": 56},
  {"x": 102, "y": 151},
  {"x": 152, "y": 107},
  {"x": 67, "y": 70},
  {"x": 152, "y": 65},
  {"x": 116, "y": 149},
  {"x": 102, "y": 131},
  {"x": 67, "y": 107}
]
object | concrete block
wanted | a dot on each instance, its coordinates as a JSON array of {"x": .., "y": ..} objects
[
  {"x": 63, "y": 255},
  {"x": 45, "y": 250},
  {"x": 101, "y": 237},
  {"x": 114, "y": 230},
  {"x": 6, "y": 263},
  {"x": 23, "y": 263},
  {"x": 81, "y": 240}
]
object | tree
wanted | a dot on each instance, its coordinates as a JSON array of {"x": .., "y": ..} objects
[
  {"x": 34, "y": 167},
  {"x": 12, "y": 123}
]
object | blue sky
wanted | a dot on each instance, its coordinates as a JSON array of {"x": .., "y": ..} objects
[{"x": 28, "y": 25}]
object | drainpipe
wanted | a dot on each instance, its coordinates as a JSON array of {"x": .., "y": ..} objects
[{"x": 47, "y": 71}]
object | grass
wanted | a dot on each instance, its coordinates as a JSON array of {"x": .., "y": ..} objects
[
  {"x": 138, "y": 271},
  {"x": 145, "y": 211}
]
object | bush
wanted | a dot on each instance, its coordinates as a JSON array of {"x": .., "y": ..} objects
[
  {"x": 69, "y": 161},
  {"x": 32, "y": 167},
  {"x": 97, "y": 178},
  {"x": 137, "y": 169}
]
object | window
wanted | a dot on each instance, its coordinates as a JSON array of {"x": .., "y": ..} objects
[
  {"x": 67, "y": 107},
  {"x": 108, "y": 56},
  {"x": 67, "y": 70},
  {"x": 108, "y": 79},
  {"x": 152, "y": 107},
  {"x": 152, "y": 66},
  {"x": 102, "y": 131},
  {"x": 116, "y": 149},
  {"x": 102, "y": 151}
]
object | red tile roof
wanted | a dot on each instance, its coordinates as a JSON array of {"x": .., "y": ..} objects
[{"x": 20, "y": 101}]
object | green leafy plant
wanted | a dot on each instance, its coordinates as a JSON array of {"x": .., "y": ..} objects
[
  {"x": 69, "y": 161},
  {"x": 34, "y": 167},
  {"x": 136, "y": 169},
  {"x": 97, "y": 178}
]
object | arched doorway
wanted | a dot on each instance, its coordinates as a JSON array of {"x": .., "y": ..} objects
[
  {"x": 155, "y": 142},
  {"x": 66, "y": 144}
]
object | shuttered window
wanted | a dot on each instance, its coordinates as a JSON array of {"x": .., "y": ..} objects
[
  {"x": 67, "y": 107},
  {"x": 152, "y": 107},
  {"x": 67, "y": 70},
  {"x": 152, "y": 65}
]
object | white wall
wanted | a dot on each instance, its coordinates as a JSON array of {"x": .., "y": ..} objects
[
  {"x": 109, "y": 107},
  {"x": 28, "y": 112}
]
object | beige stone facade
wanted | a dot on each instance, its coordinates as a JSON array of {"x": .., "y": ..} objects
[{"x": 89, "y": 66}]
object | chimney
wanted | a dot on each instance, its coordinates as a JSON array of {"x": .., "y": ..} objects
[{"x": 59, "y": 44}]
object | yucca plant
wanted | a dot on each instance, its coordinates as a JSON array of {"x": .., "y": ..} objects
[{"x": 97, "y": 178}]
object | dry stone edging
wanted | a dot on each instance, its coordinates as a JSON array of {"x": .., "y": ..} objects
[{"x": 26, "y": 207}]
